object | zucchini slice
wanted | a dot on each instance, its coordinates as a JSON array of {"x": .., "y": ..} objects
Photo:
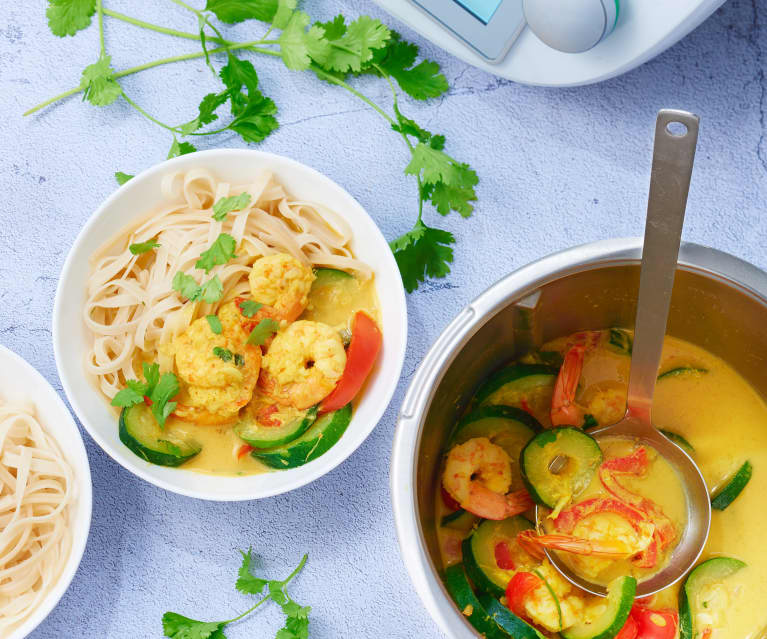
[
  {"x": 528, "y": 386},
  {"x": 461, "y": 520},
  {"x": 693, "y": 595},
  {"x": 139, "y": 431},
  {"x": 682, "y": 370},
  {"x": 679, "y": 441},
  {"x": 620, "y": 341},
  {"x": 328, "y": 276},
  {"x": 507, "y": 620},
  {"x": 514, "y": 382},
  {"x": 506, "y": 426},
  {"x": 316, "y": 441},
  {"x": 724, "y": 497},
  {"x": 479, "y": 553},
  {"x": 458, "y": 586},
  {"x": 582, "y": 457},
  {"x": 260, "y": 436},
  {"x": 620, "y": 598}
]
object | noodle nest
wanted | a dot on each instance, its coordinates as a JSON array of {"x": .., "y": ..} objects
[
  {"x": 132, "y": 310},
  {"x": 37, "y": 489}
]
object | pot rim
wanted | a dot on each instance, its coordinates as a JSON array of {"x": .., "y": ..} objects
[{"x": 708, "y": 261}]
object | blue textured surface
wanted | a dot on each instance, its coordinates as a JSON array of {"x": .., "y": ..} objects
[{"x": 557, "y": 168}]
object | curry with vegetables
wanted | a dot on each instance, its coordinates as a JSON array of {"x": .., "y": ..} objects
[{"x": 612, "y": 510}]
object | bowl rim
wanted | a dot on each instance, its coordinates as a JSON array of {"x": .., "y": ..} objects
[
  {"x": 423, "y": 573},
  {"x": 74, "y": 451},
  {"x": 302, "y": 475}
]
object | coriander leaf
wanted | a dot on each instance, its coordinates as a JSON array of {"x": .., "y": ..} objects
[
  {"x": 224, "y": 354},
  {"x": 212, "y": 290},
  {"x": 277, "y": 592},
  {"x": 231, "y": 11},
  {"x": 220, "y": 252},
  {"x": 179, "y": 627},
  {"x": 437, "y": 142},
  {"x": 237, "y": 73},
  {"x": 256, "y": 121},
  {"x": 206, "y": 112},
  {"x": 226, "y": 205},
  {"x": 249, "y": 308},
  {"x": 98, "y": 83},
  {"x": 299, "y": 47},
  {"x": 421, "y": 82},
  {"x": 294, "y": 610},
  {"x": 295, "y": 628},
  {"x": 239, "y": 360},
  {"x": 160, "y": 395},
  {"x": 182, "y": 148},
  {"x": 187, "y": 286},
  {"x": 143, "y": 247},
  {"x": 122, "y": 178},
  {"x": 215, "y": 324},
  {"x": 246, "y": 582},
  {"x": 448, "y": 198},
  {"x": 67, "y": 17},
  {"x": 355, "y": 47},
  {"x": 151, "y": 375},
  {"x": 435, "y": 166},
  {"x": 127, "y": 397},
  {"x": 423, "y": 252},
  {"x": 333, "y": 29},
  {"x": 263, "y": 331},
  {"x": 284, "y": 13}
]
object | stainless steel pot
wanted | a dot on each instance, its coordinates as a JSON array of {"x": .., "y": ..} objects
[{"x": 719, "y": 303}]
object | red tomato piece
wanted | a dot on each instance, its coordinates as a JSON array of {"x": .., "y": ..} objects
[
  {"x": 521, "y": 584},
  {"x": 629, "y": 630},
  {"x": 363, "y": 350},
  {"x": 655, "y": 624},
  {"x": 503, "y": 558},
  {"x": 244, "y": 450},
  {"x": 448, "y": 500}
]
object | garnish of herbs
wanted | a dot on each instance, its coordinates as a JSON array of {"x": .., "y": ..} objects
[{"x": 337, "y": 52}]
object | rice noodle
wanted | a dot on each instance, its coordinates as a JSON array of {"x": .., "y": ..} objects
[
  {"x": 131, "y": 308},
  {"x": 36, "y": 493}
]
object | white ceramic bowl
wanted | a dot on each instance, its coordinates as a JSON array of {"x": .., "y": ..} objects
[
  {"x": 19, "y": 381},
  {"x": 141, "y": 194}
]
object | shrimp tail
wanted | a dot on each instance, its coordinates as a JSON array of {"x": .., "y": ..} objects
[
  {"x": 567, "y": 543},
  {"x": 564, "y": 411},
  {"x": 487, "y": 504}
]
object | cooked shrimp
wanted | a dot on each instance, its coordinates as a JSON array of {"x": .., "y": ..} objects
[
  {"x": 478, "y": 475},
  {"x": 541, "y": 608},
  {"x": 564, "y": 410},
  {"x": 303, "y": 365},
  {"x": 636, "y": 465},
  {"x": 213, "y": 389},
  {"x": 283, "y": 283}
]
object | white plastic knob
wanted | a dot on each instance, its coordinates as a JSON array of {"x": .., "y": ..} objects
[{"x": 571, "y": 26}]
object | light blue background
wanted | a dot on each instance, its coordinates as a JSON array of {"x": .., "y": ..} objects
[{"x": 557, "y": 168}]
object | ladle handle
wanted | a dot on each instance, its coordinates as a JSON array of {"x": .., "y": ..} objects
[{"x": 672, "y": 161}]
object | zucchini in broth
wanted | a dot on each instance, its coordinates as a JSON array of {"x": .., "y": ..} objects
[{"x": 612, "y": 510}]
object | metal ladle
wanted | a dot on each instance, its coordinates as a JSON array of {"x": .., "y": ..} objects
[{"x": 676, "y": 134}]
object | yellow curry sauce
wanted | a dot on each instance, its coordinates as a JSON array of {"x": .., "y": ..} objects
[
  {"x": 725, "y": 420},
  {"x": 333, "y": 303}
]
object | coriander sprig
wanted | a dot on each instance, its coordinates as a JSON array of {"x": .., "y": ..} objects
[
  {"x": 296, "y": 624},
  {"x": 336, "y": 51}
]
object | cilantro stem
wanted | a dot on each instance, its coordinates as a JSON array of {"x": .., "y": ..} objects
[
  {"x": 100, "y": 9},
  {"x": 147, "y": 115},
  {"x": 290, "y": 577},
  {"x": 250, "y": 46},
  {"x": 159, "y": 29},
  {"x": 334, "y": 80}
]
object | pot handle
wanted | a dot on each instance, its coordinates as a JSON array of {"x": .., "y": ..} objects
[{"x": 440, "y": 354}]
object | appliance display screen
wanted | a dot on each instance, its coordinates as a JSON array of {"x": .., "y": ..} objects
[{"x": 482, "y": 9}]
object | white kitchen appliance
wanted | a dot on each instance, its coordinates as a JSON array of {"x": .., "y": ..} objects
[{"x": 537, "y": 41}]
